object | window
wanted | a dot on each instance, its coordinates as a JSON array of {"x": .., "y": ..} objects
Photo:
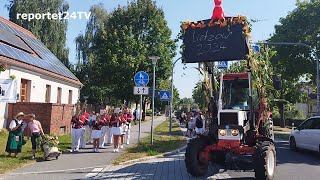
[
  {"x": 48, "y": 93},
  {"x": 307, "y": 124},
  {"x": 24, "y": 90},
  {"x": 315, "y": 124},
  {"x": 70, "y": 97},
  {"x": 235, "y": 94},
  {"x": 63, "y": 130},
  {"x": 59, "y": 95}
]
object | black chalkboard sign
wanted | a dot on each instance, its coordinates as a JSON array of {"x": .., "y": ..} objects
[{"x": 215, "y": 43}]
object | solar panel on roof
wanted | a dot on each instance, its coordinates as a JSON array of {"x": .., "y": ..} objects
[{"x": 48, "y": 60}]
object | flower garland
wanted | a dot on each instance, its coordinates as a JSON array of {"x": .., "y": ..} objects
[{"x": 225, "y": 22}]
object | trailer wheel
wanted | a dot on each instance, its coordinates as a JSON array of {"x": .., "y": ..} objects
[
  {"x": 265, "y": 161},
  {"x": 194, "y": 165}
]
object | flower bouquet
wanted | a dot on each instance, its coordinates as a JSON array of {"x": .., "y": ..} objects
[{"x": 49, "y": 145}]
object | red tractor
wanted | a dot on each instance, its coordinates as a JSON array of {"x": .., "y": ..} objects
[
  {"x": 236, "y": 131},
  {"x": 240, "y": 134}
]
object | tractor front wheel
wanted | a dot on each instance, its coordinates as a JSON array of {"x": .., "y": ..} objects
[
  {"x": 265, "y": 161},
  {"x": 196, "y": 166},
  {"x": 218, "y": 157}
]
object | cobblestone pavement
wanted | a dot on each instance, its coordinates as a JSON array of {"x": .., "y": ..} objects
[{"x": 172, "y": 167}]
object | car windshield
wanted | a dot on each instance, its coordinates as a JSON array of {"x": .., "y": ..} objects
[{"x": 235, "y": 94}]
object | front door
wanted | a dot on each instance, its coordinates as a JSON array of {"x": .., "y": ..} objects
[{"x": 24, "y": 90}]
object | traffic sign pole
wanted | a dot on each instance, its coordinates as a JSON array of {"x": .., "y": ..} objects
[
  {"x": 140, "y": 116},
  {"x": 141, "y": 79}
]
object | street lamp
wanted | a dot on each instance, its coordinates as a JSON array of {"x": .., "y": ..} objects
[
  {"x": 171, "y": 99},
  {"x": 314, "y": 52},
  {"x": 154, "y": 62}
]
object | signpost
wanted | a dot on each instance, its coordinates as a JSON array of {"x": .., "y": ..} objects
[
  {"x": 141, "y": 79},
  {"x": 164, "y": 95},
  {"x": 223, "y": 65},
  {"x": 140, "y": 90}
]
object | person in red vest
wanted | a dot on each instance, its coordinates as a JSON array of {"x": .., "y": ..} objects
[
  {"x": 105, "y": 127},
  {"x": 96, "y": 132},
  {"x": 129, "y": 120},
  {"x": 77, "y": 122},
  {"x": 123, "y": 119},
  {"x": 85, "y": 129},
  {"x": 116, "y": 130}
]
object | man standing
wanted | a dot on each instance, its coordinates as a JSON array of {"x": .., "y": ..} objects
[{"x": 76, "y": 132}]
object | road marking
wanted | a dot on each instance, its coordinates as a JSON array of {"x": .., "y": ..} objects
[
  {"x": 56, "y": 171},
  {"x": 93, "y": 173}
]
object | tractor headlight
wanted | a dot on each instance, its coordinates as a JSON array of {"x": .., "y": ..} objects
[
  {"x": 222, "y": 132},
  {"x": 234, "y": 132}
]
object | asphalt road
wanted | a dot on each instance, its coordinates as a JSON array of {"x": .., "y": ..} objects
[
  {"x": 77, "y": 165},
  {"x": 300, "y": 165},
  {"x": 291, "y": 165}
]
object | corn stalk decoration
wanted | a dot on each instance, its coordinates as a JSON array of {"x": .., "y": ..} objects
[{"x": 262, "y": 72}]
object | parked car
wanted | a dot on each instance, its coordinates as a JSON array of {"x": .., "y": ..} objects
[{"x": 306, "y": 135}]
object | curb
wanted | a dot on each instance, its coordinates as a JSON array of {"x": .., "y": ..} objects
[
  {"x": 154, "y": 157},
  {"x": 157, "y": 156}
]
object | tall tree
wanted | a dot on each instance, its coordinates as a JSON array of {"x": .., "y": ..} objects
[
  {"x": 132, "y": 34},
  {"x": 300, "y": 25},
  {"x": 87, "y": 69},
  {"x": 199, "y": 97},
  {"x": 51, "y": 32}
]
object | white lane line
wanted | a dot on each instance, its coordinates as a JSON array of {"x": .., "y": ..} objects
[
  {"x": 94, "y": 172},
  {"x": 56, "y": 171}
]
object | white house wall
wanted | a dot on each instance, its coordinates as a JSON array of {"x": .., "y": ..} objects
[{"x": 38, "y": 88}]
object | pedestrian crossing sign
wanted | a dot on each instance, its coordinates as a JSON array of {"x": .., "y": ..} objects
[{"x": 164, "y": 95}]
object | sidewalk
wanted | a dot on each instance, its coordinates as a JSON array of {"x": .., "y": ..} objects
[
  {"x": 82, "y": 162},
  {"x": 168, "y": 168}
]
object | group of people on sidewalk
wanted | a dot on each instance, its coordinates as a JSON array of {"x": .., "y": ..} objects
[
  {"x": 110, "y": 127},
  {"x": 195, "y": 124},
  {"x": 17, "y": 126}
]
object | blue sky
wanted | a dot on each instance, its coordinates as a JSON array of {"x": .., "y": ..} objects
[{"x": 268, "y": 11}]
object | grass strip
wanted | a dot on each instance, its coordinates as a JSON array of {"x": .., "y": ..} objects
[{"x": 163, "y": 142}]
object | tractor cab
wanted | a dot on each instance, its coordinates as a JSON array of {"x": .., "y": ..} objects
[{"x": 234, "y": 106}]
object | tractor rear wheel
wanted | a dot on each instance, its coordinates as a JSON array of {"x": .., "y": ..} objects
[
  {"x": 265, "y": 161},
  {"x": 195, "y": 165}
]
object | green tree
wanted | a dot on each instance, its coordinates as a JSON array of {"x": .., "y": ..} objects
[
  {"x": 199, "y": 97},
  {"x": 87, "y": 69},
  {"x": 133, "y": 33},
  {"x": 300, "y": 25},
  {"x": 120, "y": 46},
  {"x": 187, "y": 104},
  {"x": 52, "y": 33}
]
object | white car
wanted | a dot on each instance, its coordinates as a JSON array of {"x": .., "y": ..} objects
[{"x": 306, "y": 135}]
